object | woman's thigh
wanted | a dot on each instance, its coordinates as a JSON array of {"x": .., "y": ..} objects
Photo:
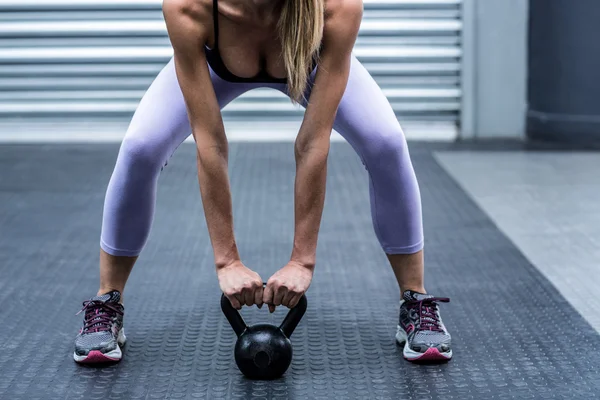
[
  {"x": 367, "y": 121},
  {"x": 160, "y": 123},
  {"x": 365, "y": 117}
]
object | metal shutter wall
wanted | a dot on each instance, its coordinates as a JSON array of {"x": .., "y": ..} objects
[{"x": 95, "y": 58}]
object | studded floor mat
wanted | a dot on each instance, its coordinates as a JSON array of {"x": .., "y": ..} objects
[{"x": 514, "y": 336}]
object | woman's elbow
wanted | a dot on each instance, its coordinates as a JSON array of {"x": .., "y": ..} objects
[{"x": 313, "y": 148}]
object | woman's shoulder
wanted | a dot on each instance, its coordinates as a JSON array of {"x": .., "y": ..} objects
[
  {"x": 343, "y": 8},
  {"x": 197, "y": 10},
  {"x": 189, "y": 22},
  {"x": 342, "y": 13}
]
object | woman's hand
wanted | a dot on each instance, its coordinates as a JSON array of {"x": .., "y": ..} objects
[
  {"x": 287, "y": 286},
  {"x": 240, "y": 285}
]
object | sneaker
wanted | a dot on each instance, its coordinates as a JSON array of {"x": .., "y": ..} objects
[
  {"x": 102, "y": 335},
  {"x": 421, "y": 329}
]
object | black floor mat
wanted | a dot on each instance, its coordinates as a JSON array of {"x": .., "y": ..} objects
[{"x": 514, "y": 336}]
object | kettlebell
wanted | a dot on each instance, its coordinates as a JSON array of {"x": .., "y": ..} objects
[{"x": 263, "y": 351}]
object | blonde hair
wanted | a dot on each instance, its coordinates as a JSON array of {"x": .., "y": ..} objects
[{"x": 301, "y": 31}]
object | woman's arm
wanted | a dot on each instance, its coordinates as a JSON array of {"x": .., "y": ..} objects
[
  {"x": 187, "y": 22},
  {"x": 187, "y": 27},
  {"x": 312, "y": 143},
  {"x": 287, "y": 285}
]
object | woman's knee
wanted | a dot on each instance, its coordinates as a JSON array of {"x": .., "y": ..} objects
[
  {"x": 382, "y": 145},
  {"x": 138, "y": 151}
]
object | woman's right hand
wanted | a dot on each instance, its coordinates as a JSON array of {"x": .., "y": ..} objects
[{"x": 241, "y": 285}]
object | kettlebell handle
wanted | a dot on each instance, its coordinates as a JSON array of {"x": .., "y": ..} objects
[
  {"x": 289, "y": 324},
  {"x": 293, "y": 317},
  {"x": 233, "y": 316}
]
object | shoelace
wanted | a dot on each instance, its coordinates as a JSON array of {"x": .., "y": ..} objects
[
  {"x": 98, "y": 316},
  {"x": 428, "y": 317}
]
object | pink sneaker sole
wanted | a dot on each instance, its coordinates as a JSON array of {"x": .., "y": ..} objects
[
  {"x": 432, "y": 354},
  {"x": 96, "y": 357}
]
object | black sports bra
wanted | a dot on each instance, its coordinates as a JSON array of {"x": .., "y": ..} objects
[{"x": 216, "y": 62}]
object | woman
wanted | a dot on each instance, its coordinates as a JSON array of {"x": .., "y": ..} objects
[{"x": 221, "y": 50}]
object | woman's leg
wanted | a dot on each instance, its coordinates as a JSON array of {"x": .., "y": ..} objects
[
  {"x": 159, "y": 126},
  {"x": 367, "y": 121}
]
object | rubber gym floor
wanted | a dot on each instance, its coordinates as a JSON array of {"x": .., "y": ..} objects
[{"x": 517, "y": 332}]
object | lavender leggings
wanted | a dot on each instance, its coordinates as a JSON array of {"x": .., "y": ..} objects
[{"x": 160, "y": 124}]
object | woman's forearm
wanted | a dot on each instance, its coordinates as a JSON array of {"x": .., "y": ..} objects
[
  {"x": 309, "y": 198},
  {"x": 188, "y": 32},
  {"x": 216, "y": 199}
]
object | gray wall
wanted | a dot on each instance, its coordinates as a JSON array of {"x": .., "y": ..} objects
[{"x": 495, "y": 81}]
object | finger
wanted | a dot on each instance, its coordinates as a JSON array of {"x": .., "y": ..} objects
[
  {"x": 295, "y": 300},
  {"x": 248, "y": 294},
  {"x": 287, "y": 299},
  {"x": 235, "y": 303},
  {"x": 271, "y": 308},
  {"x": 258, "y": 296},
  {"x": 268, "y": 294},
  {"x": 240, "y": 299},
  {"x": 280, "y": 293}
]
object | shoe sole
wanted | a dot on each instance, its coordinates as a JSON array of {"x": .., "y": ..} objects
[
  {"x": 432, "y": 354},
  {"x": 98, "y": 357}
]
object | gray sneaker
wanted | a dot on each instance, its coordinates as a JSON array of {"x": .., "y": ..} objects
[
  {"x": 102, "y": 335},
  {"x": 421, "y": 329}
]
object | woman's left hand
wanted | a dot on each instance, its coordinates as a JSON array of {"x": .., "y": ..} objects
[{"x": 287, "y": 286}]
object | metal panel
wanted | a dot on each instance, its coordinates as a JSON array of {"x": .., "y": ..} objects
[
  {"x": 66, "y": 58},
  {"x": 468, "y": 123}
]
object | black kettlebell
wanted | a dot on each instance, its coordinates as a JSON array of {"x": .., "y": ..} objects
[{"x": 263, "y": 351}]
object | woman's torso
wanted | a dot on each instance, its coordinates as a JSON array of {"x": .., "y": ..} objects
[{"x": 244, "y": 46}]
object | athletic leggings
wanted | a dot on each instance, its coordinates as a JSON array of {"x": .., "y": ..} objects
[{"x": 160, "y": 124}]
